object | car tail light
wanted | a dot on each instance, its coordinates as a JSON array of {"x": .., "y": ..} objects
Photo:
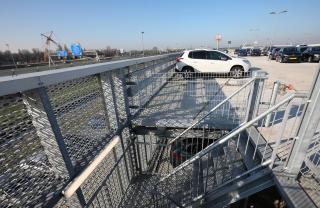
[{"x": 179, "y": 59}]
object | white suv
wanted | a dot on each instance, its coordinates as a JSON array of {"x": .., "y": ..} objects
[{"x": 206, "y": 61}]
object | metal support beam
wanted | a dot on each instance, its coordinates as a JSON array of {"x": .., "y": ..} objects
[
  {"x": 255, "y": 94},
  {"x": 307, "y": 128},
  {"x": 273, "y": 98},
  {"x": 38, "y": 104}
]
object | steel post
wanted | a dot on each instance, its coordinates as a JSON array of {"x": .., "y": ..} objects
[
  {"x": 307, "y": 128},
  {"x": 273, "y": 99},
  {"x": 255, "y": 94}
]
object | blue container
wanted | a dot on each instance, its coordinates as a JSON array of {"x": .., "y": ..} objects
[
  {"x": 62, "y": 54},
  {"x": 76, "y": 50}
]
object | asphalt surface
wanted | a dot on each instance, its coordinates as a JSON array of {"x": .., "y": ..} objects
[{"x": 300, "y": 75}]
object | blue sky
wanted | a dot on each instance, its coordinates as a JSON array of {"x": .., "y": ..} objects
[{"x": 175, "y": 23}]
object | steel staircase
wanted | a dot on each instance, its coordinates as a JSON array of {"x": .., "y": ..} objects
[{"x": 226, "y": 171}]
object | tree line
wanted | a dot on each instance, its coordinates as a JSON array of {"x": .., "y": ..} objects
[{"x": 25, "y": 56}]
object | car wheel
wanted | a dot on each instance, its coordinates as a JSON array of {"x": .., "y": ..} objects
[
  {"x": 236, "y": 72},
  {"x": 188, "y": 72},
  {"x": 310, "y": 59}
]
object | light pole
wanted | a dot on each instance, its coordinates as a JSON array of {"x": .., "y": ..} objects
[
  {"x": 275, "y": 13},
  {"x": 14, "y": 63},
  {"x": 142, "y": 43}
]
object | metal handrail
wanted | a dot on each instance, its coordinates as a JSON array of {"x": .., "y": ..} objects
[
  {"x": 212, "y": 110},
  {"x": 231, "y": 134},
  {"x": 77, "y": 182}
]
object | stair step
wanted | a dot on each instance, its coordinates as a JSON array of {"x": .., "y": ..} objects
[
  {"x": 238, "y": 190},
  {"x": 233, "y": 159}
]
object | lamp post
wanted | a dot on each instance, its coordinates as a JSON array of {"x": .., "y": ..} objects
[
  {"x": 142, "y": 43},
  {"x": 275, "y": 14},
  {"x": 14, "y": 63}
]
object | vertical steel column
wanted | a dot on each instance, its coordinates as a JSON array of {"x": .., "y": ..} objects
[
  {"x": 120, "y": 76},
  {"x": 255, "y": 94},
  {"x": 46, "y": 134},
  {"x": 110, "y": 101},
  {"x": 273, "y": 98},
  {"x": 307, "y": 128},
  {"x": 48, "y": 130},
  {"x": 197, "y": 179},
  {"x": 122, "y": 79}
]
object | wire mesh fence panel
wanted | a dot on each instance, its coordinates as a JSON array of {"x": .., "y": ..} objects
[
  {"x": 111, "y": 182},
  {"x": 191, "y": 134},
  {"x": 181, "y": 101},
  {"x": 81, "y": 115},
  {"x": 27, "y": 178},
  {"x": 309, "y": 174},
  {"x": 147, "y": 81}
]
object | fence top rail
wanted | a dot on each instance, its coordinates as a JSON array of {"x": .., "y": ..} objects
[{"x": 23, "y": 82}]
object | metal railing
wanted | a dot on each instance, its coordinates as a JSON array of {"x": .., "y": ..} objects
[
  {"x": 183, "y": 100},
  {"x": 53, "y": 124},
  {"x": 221, "y": 162},
  {"x": 135, "y": 133}
]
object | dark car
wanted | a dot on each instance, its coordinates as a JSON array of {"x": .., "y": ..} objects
[
  {"x": 311, "y": 54},
  {"x": 255, "y": 52},
  {"x": 248, "y": 51},
  {"x": 302, "y": 49},
  {"x": 264, "y": 51},
  {"x": 288, "y": 54},
  {"x": 236, "y": 51},
  {"x": 270, "y": 49},
  {"x": 273, "y": 54},
  {"x": 242, "y": 52}
]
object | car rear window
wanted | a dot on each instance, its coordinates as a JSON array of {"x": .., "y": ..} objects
[
  {"x": 316, "y": 49},
  {"x": 197, "y": 55},
  {"x": 290, "y": 50}
]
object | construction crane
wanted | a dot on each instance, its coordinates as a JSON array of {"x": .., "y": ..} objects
[{"x": 49, "y": 39}]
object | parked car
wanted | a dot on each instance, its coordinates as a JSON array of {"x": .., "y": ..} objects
[
  {"x": 236, "y": 51},
  {"x": 274, "y": 53},
  {"x": 311, "y": 54},
  {"x": 225, "y": 51},
  {"x": 270, "y": 49},
  {"x": 242, "y": 52},
  {"x": 255, "y": 52},
  {"x": 211, "y": 61},
  {"x": 288, "y": 54},
  {"x": 302, "y": 48},
  {"x": 187, "y": 148},
  {"x": 264, "y": 51},
  {"x": 248, "y": 51}
]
